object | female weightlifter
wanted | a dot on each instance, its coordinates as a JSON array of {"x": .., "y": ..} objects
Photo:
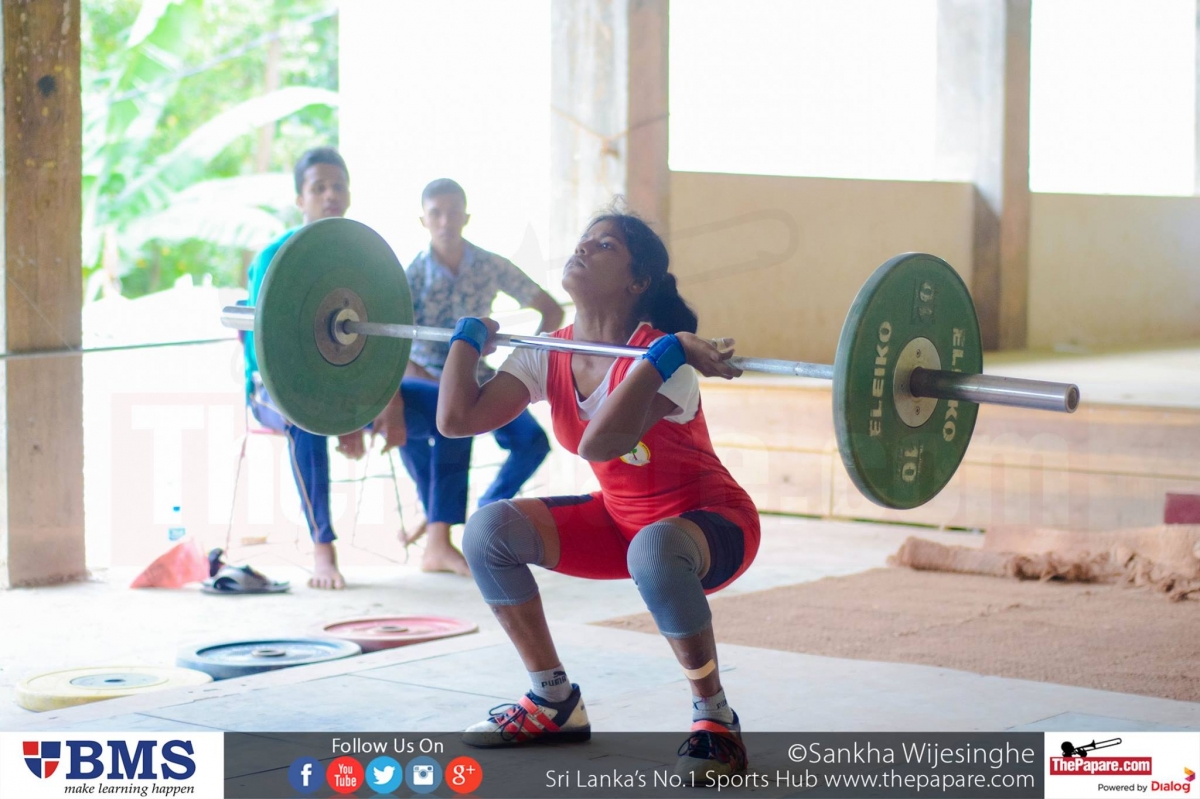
[{"x": 668, "y": 514}]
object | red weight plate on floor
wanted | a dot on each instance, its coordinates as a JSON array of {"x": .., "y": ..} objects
[{"x": 386, "y": 632}]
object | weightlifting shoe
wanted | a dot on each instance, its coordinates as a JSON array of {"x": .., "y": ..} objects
[
  {"x": 532, "y": 720},
  {"x": 713, "y": 749}
]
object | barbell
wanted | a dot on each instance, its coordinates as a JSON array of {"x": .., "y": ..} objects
[{"x": 333, "y": 329}]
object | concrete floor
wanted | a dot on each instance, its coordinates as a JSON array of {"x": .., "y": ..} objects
[{"x": 630, "y": 680}]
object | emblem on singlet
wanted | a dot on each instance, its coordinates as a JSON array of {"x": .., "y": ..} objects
[{"x": 638, "y": 456}]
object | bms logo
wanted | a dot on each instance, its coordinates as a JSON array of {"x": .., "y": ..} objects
[
  {"x": 87, "y": 761},
  {"x": 42, "y": 757}
]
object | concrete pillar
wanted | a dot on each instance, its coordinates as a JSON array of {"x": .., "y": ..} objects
[
  {"x": 1196, "y": 125},
  {"x": 41, "y": 400},
  {"x": 608, "y": 100},
  {"x": 983, "y": 138}
]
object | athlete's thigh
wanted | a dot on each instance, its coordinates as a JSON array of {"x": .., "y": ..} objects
[{"x": 578, "y": 536}]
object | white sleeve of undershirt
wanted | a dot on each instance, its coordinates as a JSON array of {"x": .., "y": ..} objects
[
  {"x": 684, "y": 390},
  {"x": 530, "y": 366}
]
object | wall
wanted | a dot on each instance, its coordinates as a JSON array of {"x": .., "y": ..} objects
[
  {"x": 753, "y": 252},
  {"x": 776, "y": 261},
  {"x": 1113, "y": 271}
]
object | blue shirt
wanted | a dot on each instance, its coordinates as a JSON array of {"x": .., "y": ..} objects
[
  {"x": 441, "y": 297},
  {"x": 254, "y": 279}
]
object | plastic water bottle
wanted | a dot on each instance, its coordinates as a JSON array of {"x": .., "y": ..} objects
[{"x": 175, "y": 528}]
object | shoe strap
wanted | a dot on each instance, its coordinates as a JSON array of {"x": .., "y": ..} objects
[
  {"x": 708, "y": 725},
  {"x": 514, "y": 721},
  {"x": 535, "y": 712}
]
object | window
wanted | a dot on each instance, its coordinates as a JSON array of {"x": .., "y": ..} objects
[
  {"x": 841, "y": 88},
  {"x": 1113, "y": 97},
  {"x": 452, "y": 89}
]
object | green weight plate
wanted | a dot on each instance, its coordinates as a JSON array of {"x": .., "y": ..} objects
[
  {"x": 323, "y": 397},
  {"x": 903, "y": 462}
]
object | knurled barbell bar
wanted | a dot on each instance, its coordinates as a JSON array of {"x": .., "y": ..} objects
[{"x": 334, "y": 326}]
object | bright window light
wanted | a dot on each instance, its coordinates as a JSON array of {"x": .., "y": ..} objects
[
  {"x": 456, "y": 89},
  {"x": 1112, "y": 101},
  {"x": 823, "y": 88}
]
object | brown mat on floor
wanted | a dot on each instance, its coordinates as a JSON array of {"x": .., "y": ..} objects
[{"x": 1096, "y": 636}]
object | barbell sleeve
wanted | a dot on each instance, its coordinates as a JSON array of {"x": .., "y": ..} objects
[
  {"x": 994, "y": 390},
  {"x": 238, "y": 317},
  {"x": 938, "y": 384}
]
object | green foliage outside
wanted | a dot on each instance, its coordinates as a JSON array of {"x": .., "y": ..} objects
[{"x": 187, "y": 150}]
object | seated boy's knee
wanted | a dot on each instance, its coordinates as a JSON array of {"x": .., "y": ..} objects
[
  {"x": 524, "y": 436},
  {"x": 539, "y": 443}
]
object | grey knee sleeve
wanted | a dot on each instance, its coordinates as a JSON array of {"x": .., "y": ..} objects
[
  {"x": 498, "y": 542},
  {"x": 665, "y": 563}
]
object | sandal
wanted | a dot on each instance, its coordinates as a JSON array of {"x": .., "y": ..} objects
[{"x": 243, "y": 580}]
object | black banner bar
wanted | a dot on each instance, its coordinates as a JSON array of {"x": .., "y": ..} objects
[{"x": 633, "y": 765}]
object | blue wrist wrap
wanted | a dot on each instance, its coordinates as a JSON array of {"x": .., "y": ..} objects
[
  {"x": 471, "y": 330},
  {"x": 666, "y": 355}
]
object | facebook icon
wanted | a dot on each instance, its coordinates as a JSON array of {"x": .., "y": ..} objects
[{"x": 306, "y": 775}]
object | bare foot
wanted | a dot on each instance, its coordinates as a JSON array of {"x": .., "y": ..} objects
[
  {"x": 325, "y": 570},
  {"x": 441, "y": 555},
  {"x": 450, "y": 560}
]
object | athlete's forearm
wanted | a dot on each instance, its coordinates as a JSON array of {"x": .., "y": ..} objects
[
  {"x": 624, "y": 417},
  {"x": 458, "y": 392}
]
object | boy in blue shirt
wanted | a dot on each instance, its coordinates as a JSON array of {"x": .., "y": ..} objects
[{"x": 322, "y": 191}]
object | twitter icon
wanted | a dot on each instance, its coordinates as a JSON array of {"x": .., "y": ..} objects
[{"x": 384, "y": 774}]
